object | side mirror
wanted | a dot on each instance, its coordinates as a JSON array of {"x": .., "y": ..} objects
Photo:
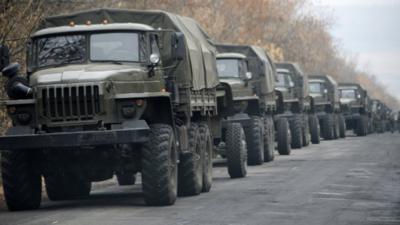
[
  {"x": 358, "y": 96},
  {"x": 325, "y": 91},
  {"x": 11, "y": 70},
  {"x": 179, "y": 46},
  {"x": 291, "y": 84},
  {"x": 249, "y": 75},
  {"x": 4, "y": 56}
]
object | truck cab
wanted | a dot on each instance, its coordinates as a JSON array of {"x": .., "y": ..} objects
[{"x": 354, "y": 106}]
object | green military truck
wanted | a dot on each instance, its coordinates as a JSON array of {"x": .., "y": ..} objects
[
  {"x": 378, "y": 115},
  {"x": 326, "y": 105},
  {"x": 354, "y": 106},
  {"x": 398, "y": 121},
  {"x": 111, "y": 92},
  {"x": 293, "y": 102},
  {"x": 247, "y": 74}
]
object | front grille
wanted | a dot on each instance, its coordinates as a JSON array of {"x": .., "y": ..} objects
[{"x": 70, "y": 103}]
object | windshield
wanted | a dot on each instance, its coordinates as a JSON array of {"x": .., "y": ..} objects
[
  {"x": 61, "y": 50},
  {"x": 67, "y": 49},
  {"x": 348, "y": 93},
  {"x": 315, "y": 87},
  {"x": 283, "y": 79},
  {"x": 114, "y": 47},
  {"x": 230, "y": 68}
]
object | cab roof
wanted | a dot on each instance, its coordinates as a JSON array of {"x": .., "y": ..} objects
[
  {"x": 231, "y": 55},
  {"x": 94, "y": 27},
  {"x": 350, "y": 86},
  {"x": 323, "y": 78},
  {"x": 282, "y": 70}
]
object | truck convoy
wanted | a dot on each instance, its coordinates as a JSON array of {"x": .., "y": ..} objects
[
  {"x": 112, "y": 92},
  {"x": 354, "y": 106},
  {"x": 326, "y": 105},
  {"x": 293, "y": 102}
]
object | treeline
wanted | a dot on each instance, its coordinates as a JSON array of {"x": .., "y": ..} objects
[{"x": 288, "y": 29}]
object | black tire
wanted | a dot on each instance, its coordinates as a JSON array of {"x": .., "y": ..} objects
[
  {"x": 342, "y": 127},
  {"x": 336, "y": 127},
  {"x": 284, "y": 137},
  {"x": 362, "y": 126},
  {"x": 269, "y": 139},
  {"x": 21, "y": 181},
  {"x": 315, "y": 130},
  {"x": 159, "y": 166},
  {"x": 236, "y": 150},
  {"x": 255, "y": 141},
  {"x": 306, "y": 131},
  {"x": 190, "y": 173},
  {"x": 328, "y": 127},
  {"x": 66, "y": 186},
  {"x": 126, "y": 179},
  {"x": 207, "y": 157},
  {"x": 296, "y": 130}
]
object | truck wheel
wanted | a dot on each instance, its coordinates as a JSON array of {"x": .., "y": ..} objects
[
  {"x": 190, "y": 173},
  {"x": 66, "y": 186},
  {"x": 296, "y": 129},
  {"x": 314, "y": 129},
  {"x": 284, "y": 137},
  {"x": 269, "y": 139},
  {"x": 159, "y": 166},
  {"x": 21, "y": 182},
  {"x": 328, "y": 127},
  {"x": 207, "y": 142},
  {"x": 255, "y": 141},
  {"x": 236, "y": 150},
  {"x": 336, "y": 126},
  {"x": 126, "y": 179},
  {"x": 306, "y": 131},
  {"x": 342, "y": 127},
  {"x": 362, "y": 124}
]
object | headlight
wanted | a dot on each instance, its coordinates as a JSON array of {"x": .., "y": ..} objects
[{"x": 24, "y": 118}]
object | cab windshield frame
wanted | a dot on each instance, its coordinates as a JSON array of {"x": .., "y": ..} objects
[{"x": 33, "y": 49}]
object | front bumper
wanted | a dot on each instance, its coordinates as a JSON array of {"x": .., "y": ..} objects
[{"x": 20, "y": 138}]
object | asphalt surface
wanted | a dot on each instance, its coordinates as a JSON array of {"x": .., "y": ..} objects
[{"x": 351, "y": 181}]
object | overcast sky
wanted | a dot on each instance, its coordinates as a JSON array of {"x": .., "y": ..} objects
[{"x": 369, "y": 29}]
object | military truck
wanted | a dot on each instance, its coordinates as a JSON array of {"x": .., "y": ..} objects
[
  {"x": 111, "y": 92},
  {"x": 246, "y": 74},
  {"x": 325, "y": 104},
  {"x": 378, "y": 114},
  {"x": 398, "y": 121},
  {"x": 354, "y": 106},
  {"x": 293, "y": 102}
]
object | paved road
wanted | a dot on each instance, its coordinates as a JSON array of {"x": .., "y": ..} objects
[{"x": 352, "y": 181}]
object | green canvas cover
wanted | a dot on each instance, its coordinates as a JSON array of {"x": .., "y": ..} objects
[
  {"x": 200, "y": 49},
  {"x": 260, "y": 64}
]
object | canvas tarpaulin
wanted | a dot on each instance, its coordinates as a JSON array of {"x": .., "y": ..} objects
[
  {"x": 200, "y": 49},
  {"x": 260, "y": 65}
]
